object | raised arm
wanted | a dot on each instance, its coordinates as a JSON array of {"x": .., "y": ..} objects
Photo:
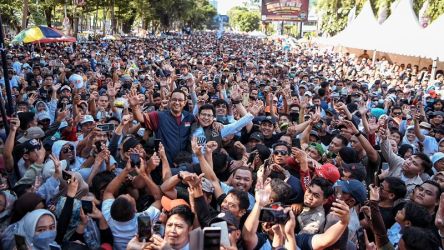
[
  {"x": 371, "y": 152},
  {"x": 206, "y": 168},
  {"x": 333, "y": 233},
  {"x": 14, "y": 124},
  {"x": 133, "y": 101},
  {"x": 114, "y": 186}
]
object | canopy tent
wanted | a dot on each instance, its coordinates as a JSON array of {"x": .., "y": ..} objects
[
  {"x": 41, "y": 34},
  {"x": 434, "y": 39},
  {"x": 400, "y": 33},
  {"x": 399, "y": 36},
  {"x": 361, "y": 32}
]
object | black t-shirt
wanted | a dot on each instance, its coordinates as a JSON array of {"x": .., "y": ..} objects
[{"x": 270, "y": 141}]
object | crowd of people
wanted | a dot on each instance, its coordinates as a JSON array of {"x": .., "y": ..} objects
[{"x": 154, "y": 143}]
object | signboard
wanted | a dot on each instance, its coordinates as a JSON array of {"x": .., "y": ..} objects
[{"x": 284, "y": 10}]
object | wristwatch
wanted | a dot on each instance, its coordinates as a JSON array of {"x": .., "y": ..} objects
[{"x": 358, "y": 134}]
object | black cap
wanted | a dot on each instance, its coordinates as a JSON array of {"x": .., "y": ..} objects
[
  {"x": 269, "y": 119},
  {"x": 228, "y": 217},
  {"x": 256, "y": 136},
  {"x": 31, "y": 145}
]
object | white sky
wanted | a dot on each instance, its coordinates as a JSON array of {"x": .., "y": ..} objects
[{"x": 224, "y": 5}]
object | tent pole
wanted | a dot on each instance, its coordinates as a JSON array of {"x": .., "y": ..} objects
[
  {"x": 373, "y": 58},
  {"x": 434, "y": 65}
]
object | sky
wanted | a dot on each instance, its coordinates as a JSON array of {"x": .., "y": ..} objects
[{"x": 224, "y": 5}]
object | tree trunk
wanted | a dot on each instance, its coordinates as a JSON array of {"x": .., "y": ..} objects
[
  {"x": 48, "y": 16},
  {"x": 25, "y": 14},
  {"x": 113, "y": 19}
]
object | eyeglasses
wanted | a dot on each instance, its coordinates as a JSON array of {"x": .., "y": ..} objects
[
  {"x": 177, "y": 100},
  {"x": 67, "y": 149},
  {"x": 397, "y": 113},
  {"x": 206, "y": 115},
  {"x": 280, "y": 152}
]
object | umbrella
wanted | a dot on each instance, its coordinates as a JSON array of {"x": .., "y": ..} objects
[
  {"x": 110, "y": 37},
  {"x": 41, "y": 34}
]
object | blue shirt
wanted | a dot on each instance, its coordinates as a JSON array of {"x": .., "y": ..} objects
[{"x": 123, "y": 232}]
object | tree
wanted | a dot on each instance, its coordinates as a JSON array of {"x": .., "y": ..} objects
[
  {"x": 335, "y": 12},
  {"x": 244, "y": 20}
]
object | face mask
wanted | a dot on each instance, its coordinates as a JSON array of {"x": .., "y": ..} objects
[
  {"x": 424, "y": 131},
  {"x": 42, "y": 240}
]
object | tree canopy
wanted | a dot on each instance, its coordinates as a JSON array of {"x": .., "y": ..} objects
[
  {"x": 243, "y": 19},
  {"x": 164, "y": 14}
]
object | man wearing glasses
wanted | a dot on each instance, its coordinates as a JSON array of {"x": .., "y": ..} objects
[{"x": 172, "y": 126}]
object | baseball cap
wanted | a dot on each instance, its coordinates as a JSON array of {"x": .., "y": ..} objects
[
  {"x": 65, "y": 87},
  {"x": 355, "y": 188},
  {"x": 31, "y": 145},
  {"x": 42, "y": 116},
  {"x": 437, "y": 113},
  {"x": 168, "y": 204},
  {"x": 269, "y": 119},
  {"x": 207, "y": 186},
  {"x": 32, "y": 133},
  {"x": 437, "y": 157},
  {"x": 318, "y": 148},
  {"x": 87, "y": 118},
  {"x": 228, "y": 217},
  {"x": 48, "y": 142},
  {"x": 425, "y": 125},
  {"x": 329, "y": 172},
  {"x": 357, "y": 169},
  {"x": 130, "y": 143},
  {"x": 256, "y": 136}
]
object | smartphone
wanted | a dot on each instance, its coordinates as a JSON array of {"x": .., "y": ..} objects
[
  {"x": 224, "y": 237},
  {"x": 107, "y": 127},
  {"x": 66, "y": 176},
  {"x": 156, "y": 144},
  {"x": 159, "y": 229},
  {"x": 98, "y": 146},
  {"x": 63, "y": 106},
  {"x": 144, "y": 228},
  {"x": 376, "y": 179},
  {"x": 54, "y": 247},
  {"x": 135, "y": 160},
  {"x": 385, "y": 166},
  {"x": 338, "y": 192},
  {"x": 273, "y": 215},
  {"x": 87, "y": 207},
  {"x": 211, "y": 237},
  {"x": 20, "y": 242}
]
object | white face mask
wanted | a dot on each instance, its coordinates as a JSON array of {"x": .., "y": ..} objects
[{"x": 424, "y": 131}]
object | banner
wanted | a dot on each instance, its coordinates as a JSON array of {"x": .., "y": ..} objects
[{"x": 284, "y": 10}]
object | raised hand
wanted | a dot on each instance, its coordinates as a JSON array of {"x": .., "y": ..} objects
[
  {"x": 197, "y": 149},
  {"x": 211, "y": 146},
  {"x": 341, "y": 209}
]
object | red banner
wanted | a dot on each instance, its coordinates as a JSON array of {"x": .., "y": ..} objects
[{"x": 284, "y": 10}]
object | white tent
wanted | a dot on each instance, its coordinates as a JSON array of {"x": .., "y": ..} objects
[
  {"x": 433, "y": 37},
  {"x": 361, "y": 33},
  {"x": 400, "y": 33}
]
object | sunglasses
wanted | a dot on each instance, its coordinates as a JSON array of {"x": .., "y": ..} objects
[
  {"x": 280, "y": 152},
  {"x": 397, "y": 113},
  {"x": 67, "y": 149}
]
